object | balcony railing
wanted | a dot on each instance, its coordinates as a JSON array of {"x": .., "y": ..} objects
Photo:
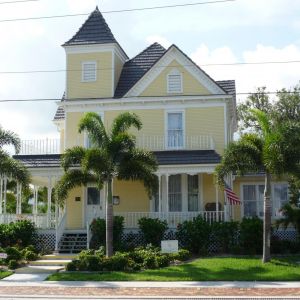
[{"x": 150, "y": 142}]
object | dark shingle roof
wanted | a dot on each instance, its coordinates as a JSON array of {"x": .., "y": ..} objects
[
  {"x": 137, "y": 67},
  {"x": 60, "y": 114},
  {"x": 178, "y": 157},
  {"x": 94, "y": 31}
]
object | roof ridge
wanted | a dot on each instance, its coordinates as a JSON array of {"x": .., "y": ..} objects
[
  {"x": 146, "y": 49},
  {"x": 96, "y": 12}
]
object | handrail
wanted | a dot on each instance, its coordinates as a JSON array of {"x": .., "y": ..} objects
[
  {"x": 60, "y": 227},
  {"x": 88, "y": 234}
]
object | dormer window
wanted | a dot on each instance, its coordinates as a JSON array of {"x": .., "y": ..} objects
[
  {"x": 89, "y": 71},
  {"x": 174, "y": 82}
]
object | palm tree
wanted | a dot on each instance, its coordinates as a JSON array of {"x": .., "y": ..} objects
[
  {"x": 10, "y": 167},
  {"x": 113, "y": 155},
  {"x": 291, "y": 215},
  {"x": 274, "y": 150}
]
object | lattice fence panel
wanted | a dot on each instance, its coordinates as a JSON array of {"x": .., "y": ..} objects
[{"x": 45, "y": 242}]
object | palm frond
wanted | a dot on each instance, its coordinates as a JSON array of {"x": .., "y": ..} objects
[
  {"x": 70, "y": 180},
  {"x": 242, "y": 156},
  {"x": 121, "y": 143},
  {"x": 9, "y": 138},
  {"x": 72, "y": 157},
  {"x": 93, "y": 125},
  {"x": 124, "y": 121},
  {"x": 263, "y": 120},
  {"x": 98, "y": 161}
]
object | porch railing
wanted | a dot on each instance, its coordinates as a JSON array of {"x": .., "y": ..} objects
[
  {"x": 150, "y": 142},
  {"x": 172, "y": 218},
  {"x": 60, "y": 227},
  {"x": 40, "y": 220}
]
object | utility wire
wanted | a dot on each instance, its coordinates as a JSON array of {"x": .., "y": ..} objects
[
  {"x": 133, "y": 67},
  {"x": 117, "y": 11},
  {"x": 19, "y": 1},
  {"x": 145, "y": 97}
]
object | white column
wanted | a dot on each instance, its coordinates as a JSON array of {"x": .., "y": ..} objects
[
  {"x": 217, "y": 202},
  {"x": 4, "y": 193},
  {"x": 35, "y": 199},
  {"x": 49, "y": 194},
  {"x": 159, "y": 194},
  {"x": 19, "y": 199}
]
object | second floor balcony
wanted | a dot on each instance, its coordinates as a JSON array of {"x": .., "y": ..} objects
[{"x": 152, "y": 143}]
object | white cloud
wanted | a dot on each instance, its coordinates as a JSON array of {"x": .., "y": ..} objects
[
  {"x": 159, "y": 39},
  {"x": 249, "y": 77}
]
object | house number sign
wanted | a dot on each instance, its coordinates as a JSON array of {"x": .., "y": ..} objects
[{"x": 170, "y": 246}]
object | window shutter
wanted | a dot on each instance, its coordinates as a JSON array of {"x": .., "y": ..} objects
[
  {"x": 89, "y": 71},
  {"x": 174, "y": 83}
]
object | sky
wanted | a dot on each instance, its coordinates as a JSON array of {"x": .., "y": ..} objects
[{"x": 231, "y": 32}]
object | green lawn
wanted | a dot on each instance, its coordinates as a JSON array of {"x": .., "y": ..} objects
[
  {"x": 4, "y": 274},
  {"x": 204, "y": 269}
]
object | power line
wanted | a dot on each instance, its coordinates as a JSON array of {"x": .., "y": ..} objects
[
  {"x": 19, "y": 1},
  {"x": 162, "y": 96},
  {"x": 117, "y": 11},
  {"x": 167, "y": 66}
]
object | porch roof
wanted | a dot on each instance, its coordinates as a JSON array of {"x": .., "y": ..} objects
[{"x": 172, "y": 157}]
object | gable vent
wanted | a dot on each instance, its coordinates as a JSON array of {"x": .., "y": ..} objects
[
  {"x": 175, "y": 82},
  {"x": 89, "y": 71}
]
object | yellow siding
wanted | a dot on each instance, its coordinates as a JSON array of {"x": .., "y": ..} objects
[
  {"x": 206, "y": 121},
  {"x": 75, "y": 209},
  {"x": 133, "y": 196},
  {"x": 209, "y": 190},
  {"x": 152, "y": 120},
  {"x": 191, "y": 86},
  {"x": 102, "y": 87},
  {"x": 73, "y": 137},
  {"x": 118, "y": 69},
  {"x": 62, "y": 140}
]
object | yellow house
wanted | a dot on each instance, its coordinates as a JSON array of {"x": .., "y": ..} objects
[{"x": 188, "y": 119}]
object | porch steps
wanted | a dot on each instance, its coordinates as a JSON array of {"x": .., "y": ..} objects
[
  {"x": 72, "y": 243},
  {"x": 58, "y": 256}
]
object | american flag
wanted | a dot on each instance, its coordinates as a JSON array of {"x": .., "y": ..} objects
[{"x": 231, "y": 196}]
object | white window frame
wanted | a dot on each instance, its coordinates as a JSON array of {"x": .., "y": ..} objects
[
  {"x": 86, "y": 137},
  {"x": 82, "y": 70},
  {"x": 174, "y": 72},
  {"x": 256, "y": 184},
  {"x": 167, "y": 112}
]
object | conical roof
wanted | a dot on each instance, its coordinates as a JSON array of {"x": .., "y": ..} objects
[{"x": 94, "y": 31}]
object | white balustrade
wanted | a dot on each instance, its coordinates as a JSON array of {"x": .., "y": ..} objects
[
  {"x": 172, "y": 218},
  {"x": 40, "y": 220},
  {"x": 150, "y": 142},
  {"x": 60, "y": 227}
]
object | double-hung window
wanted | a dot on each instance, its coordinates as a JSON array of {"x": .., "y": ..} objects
[
  {"x": 175, "y": 195},
  {"x": 89, "y": 71},
  {"x": 280, "y": 197},
  {"x": 193, "y": 191},
  {"x": 175, "y": 134}
]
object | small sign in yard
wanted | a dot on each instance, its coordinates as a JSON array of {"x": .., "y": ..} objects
[
  {"x": 3, "y": 255},
  {"x": 170, "y": 246}
]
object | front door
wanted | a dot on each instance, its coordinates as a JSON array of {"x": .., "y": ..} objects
[{"x": 93, "y": 204}]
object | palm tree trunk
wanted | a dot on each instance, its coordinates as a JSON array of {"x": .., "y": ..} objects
[
  {"x": 109, "y": 220},
  {"x": 267, "y": 220}
]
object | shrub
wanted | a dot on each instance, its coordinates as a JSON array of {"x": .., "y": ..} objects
[
  {"x": 225, "y": 234},
  {"x": 30, "y": 255},
  {"x": 182, "y": 255},
  {"x": 194, "y": 235},
  {"x": 150, "y": 261},
  {"x": 162, "y": 261},
  {"x": 98, "y": 228},
  {"x": 23, "y": 232},
  {"x": 71, "y": 266},
  {"x": 251, "y": 235},
  {"x": 13, "y": 254},
  {"x": 118, "y": 262},
  {"x": 153, "y": 230},
  {"x": 13, "y": 264},
  {"x": 92, "y": 263}
]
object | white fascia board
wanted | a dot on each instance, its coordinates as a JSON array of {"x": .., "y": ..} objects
[
  {"x": 75, "y": 49},
  {"x": 155, "y": 103},
  {"x": 185, "y": 169},
  {"x": 174, "y": 54}
]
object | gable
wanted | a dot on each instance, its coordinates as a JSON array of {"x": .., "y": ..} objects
[
  {"x": 190, "y": 85},
  {"x": 195, "y": 80}
]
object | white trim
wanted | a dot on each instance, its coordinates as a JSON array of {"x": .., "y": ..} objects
[
  {"x": 167, "y": 112},
  {"x": 174, "y": 54},
  {"x": 175, "y": 72},
  {"x": 201, "y": 193},
  {"x": 77, "y": 49},
  {"x": 188, "y": 169},
  {"x": 184, "y": 192},
  {"x": 89, "y": 62},
  {"x": 225, "y": 126},
  {"x": 113, "y": 73}
]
